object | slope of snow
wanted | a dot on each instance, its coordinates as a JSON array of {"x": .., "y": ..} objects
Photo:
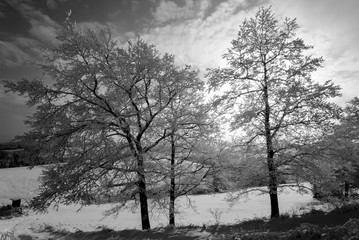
[
  {"x": 206, "y": 209},
  {"x": 18, "y": 183}
]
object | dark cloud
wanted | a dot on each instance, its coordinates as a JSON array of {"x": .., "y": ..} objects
[
  {"x": 53, "y": 4},
  {"x": 19, "y": 51},
  {"x": 33, "y": 30},
  {"x": 43, "y": 28},
  {"x": 15, "y": 110}
]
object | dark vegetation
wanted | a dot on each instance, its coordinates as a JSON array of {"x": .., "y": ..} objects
[
  {"x": 10, "y": 155},
  {"x": 10, "y": 211}
]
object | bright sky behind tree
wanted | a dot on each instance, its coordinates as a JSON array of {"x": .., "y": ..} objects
[{"x": 197, "y": 32}]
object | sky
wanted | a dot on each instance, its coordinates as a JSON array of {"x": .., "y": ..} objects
[{"x": 197, "y": 32}]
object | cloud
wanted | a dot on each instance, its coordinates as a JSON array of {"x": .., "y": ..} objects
[
  {"x": 45, "y": 34},
  {"x": 13, "y": 107},
  {"x": 121, "y": 37},
  {"x": 329, "y": 26},
  {"x": 2, "y": 8},
  {"x": 135, "y": 5},
  {"x": 43, "y": 28},
  {"x": 53, "y": 4},
  {"x": 20, "y": 51},
  {"x": 11, "y": 55},
  {"x": 42, "y": 33},
  {"x": 94, "y": 25},
  {"x": 324, "y": 24},
  {"x": 168, "y": 10},
  {"x": 200, "y": 41}
]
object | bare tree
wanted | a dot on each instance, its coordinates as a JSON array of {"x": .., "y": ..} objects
[
  {"x": 271, "y": 96},
  {"x": 186, "y": 159}
]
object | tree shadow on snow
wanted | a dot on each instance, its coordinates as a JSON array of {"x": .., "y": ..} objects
[{"x": 109, "y": 234}]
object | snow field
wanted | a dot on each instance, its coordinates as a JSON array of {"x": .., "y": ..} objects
[
  {"x": 18, "y": 183},
  {"x": 206, "y": 209}
]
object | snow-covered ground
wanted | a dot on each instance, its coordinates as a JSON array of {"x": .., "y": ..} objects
[
  {"x": 207, "y": 209},
  {"x": 18, "y": 183}
]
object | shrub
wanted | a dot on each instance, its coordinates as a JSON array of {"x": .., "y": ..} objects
[
  {"x": 8, "y": 211},
  {"x": 7, "y": 236}
]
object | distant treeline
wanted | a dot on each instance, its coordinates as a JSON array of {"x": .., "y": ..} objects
[{"x": 10, "y": 155}]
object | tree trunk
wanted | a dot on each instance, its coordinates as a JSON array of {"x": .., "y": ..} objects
[
  {"x": 272, "y": 183},
  {"x": 346, "y": 189},
  {"x": 316, "y": 192},
  {"x": 173, "y": 183},
  {"x": 172, "y": 208},
  {"x": 143, "y": 194},
  {"x": 273, "y": 187},
  {"x": 216, "y": 182}
]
